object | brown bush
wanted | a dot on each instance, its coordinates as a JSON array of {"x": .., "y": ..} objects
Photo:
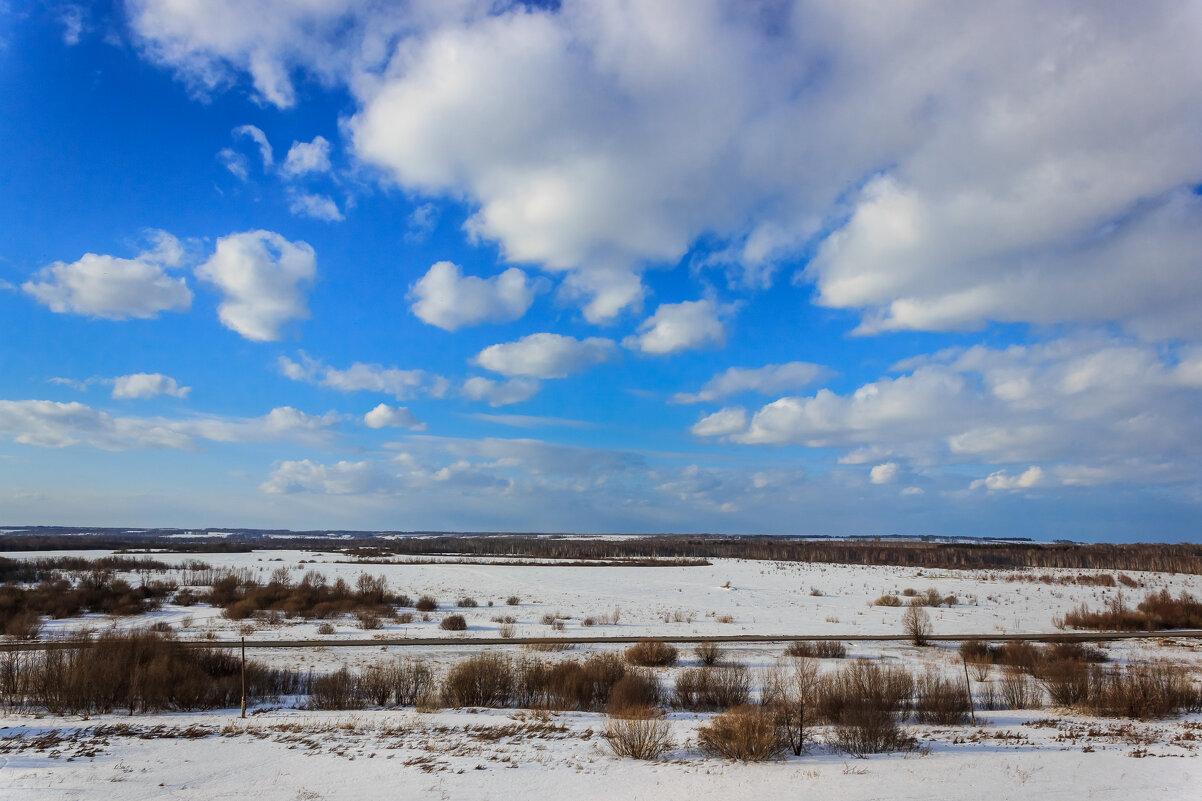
[
  {"x": 467, "y": 603},
  {"x": 326, "y": 628},
  {"x": 887, "y": 600},
  {"x": 703, "y": 689},
  {"x": 941, "y": 701},
  {"x": 635, "y": 692},
  {"x": 638, "y": 734},
  {"x": 1016, "y": 691},
  {"x": 426, "y": 603},
  {"x": 1066, "y": 681},
  {"x": 1157, "y": 612},
  {"x": 1143, "y": 691},
  {"x": 707, "y": 652},
  {"x": 513, "y": 600},
  {"x": 745, "y": 733},
  {"x": 863, "y": 682},
  {"x": 453, "y": 623},
  {"x": 652, "y": 653},
  {"x": 569, "y": 684},
  {"x": 864, "y": 729},
  {"x": 482, "y": 680},
  {"x": 338, "y": 690},
  {"x": 817, "y": 649}
]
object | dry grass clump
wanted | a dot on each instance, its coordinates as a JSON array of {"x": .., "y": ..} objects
[
  {"x": 453, "y": 623},
  {"x": 513, "y": 600},
  {"x": 326, "y": 628},
  {"x": 652, "y": 653},
  {"x": 941, "y": 701},
  {"x": 638, "y": 734},
  {"x": 1157, "y": 612},
  {"x": 707, "y": 653},
  {"x": 426, "y": 603},
  {"x": 467, "y": 603},
  {"x": 887, "y": 600},
  {"x": 138, "y": 671},
  {"x": 703, "y": 689},
  {"x": 485, "y": 679},
  {"x": 819, "y": 649},
  {"x": 745, "y": 733}
]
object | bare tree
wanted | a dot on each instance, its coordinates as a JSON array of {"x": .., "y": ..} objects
[{"x": 917, "y": 625}]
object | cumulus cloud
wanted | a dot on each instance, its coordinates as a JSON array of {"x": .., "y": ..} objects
[
  {"x": 768, "y": 380},
  {"x": 385, "y": 416},
  {"x": 341, "y": 478},
  {"x": 1097, "y": 409},
  {"x": 545, "y": 355},
  {"x": 113, "y": 288},
  {"x": 306, "y": 157},
  {"x": 884, "y": 473},
  {"x": 500, "y": 393},
  {"x": 264, "y": 279},
  {"x": 49, "y": 424},
  {"x": 319, "y": 207},
  {"x": 446, "y": 298},
  {"x": 361, "y": 377},
  {"x": 948, "y": 164},
  {"x": 147, "y": 385},
  {"x": 679, "y": 326},
  {"x": 1001, "y": 480}
]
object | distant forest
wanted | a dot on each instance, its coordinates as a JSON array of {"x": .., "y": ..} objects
[{"x": 924, "y": 552}]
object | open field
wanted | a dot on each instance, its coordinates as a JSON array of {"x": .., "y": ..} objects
[{"x": 287, "y": 750}]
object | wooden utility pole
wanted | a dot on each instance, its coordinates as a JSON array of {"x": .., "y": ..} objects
[
  {"x": 244, "y": 677},
  {"x": 968, "y": 688}
]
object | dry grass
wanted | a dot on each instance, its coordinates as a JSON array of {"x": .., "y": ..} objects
[
  {"x": 638, "y": 735},
  {"x": 745, "y": 733}
]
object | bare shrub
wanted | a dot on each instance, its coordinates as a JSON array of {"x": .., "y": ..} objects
[
  {"x": 338, "y": 690},
  {"x": 1153, "y": 690},
  {"x": 638, "y": 735},
  {"x": 404, "y": 618},
  {"x": 745, "y": 733},
  {"x": 368, "y": 621},
  {"x": 941, "y": 701},
  {"x": 789, "y": 694},
  {"x": 507, "y": 630},
  {"x": 917, "y": 625},
  {"x": 864, "y": 730},
  {"x": 863, "y": 682},
  {"x": 467, "y": 603},
  {"x": 588, "y": 622},
  {"x": 482, "y": 680},
  {"x": 637, "y": 690},
  {"x": 378, "y": 684},
  {"x": 1016, "y": 691},
  {"x": 707, "y": 652},
  {"x": 722, "y": 687},
  {"x": 513, "y": 600},
  {"x": 547, "y": 619},
  {"x": 652, "y": 653},
  {"x": 413, "y": 681},
  {"x": 887, "y": 600},
  {"x": 1066, "y": 681},
  {"x": 818, "y": 649},
  {"x": 426, "y": 603},
  {"x": 453, "y": 623}
]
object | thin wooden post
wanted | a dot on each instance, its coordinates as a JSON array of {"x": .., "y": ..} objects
[
  {"x": 244, "y": 677},
  {"x": 968, "y": 687}
]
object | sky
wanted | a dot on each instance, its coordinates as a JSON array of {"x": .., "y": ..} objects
[{"x": 812, "y": 268}]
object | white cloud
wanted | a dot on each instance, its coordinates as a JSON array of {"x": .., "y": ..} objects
[
  {"x": 319, "y": 207},
  {"x": 263, "y": 278},
  {"x": 307, "y": 157},
  {"x": 73, "y": 19},
  {"x": 949, "y": 164},
  {"x": 445, "y": 298},
  {"x": 421, "y": 222},
  {"x": 147, "y": 385},
  {"x": 768, "y": 380},
  {"x": 545, "y": 355},
  {"x": 235, "y": 162},
  {"x": 500, "y": 393},
  {"x": 1001, "y": 480},
  {"x": 113, "y": 288},
  {"x": 49, "y": 424},
  {"x": 1089, "y": 409},
  {"x": 722, "y": 423},
  {"x": 256, "y": 134},
  {"x": 679, "y": 326},
  {"x": 361, "y": 377},
  {"x": 885, "y": 473},
  {"x": 385, "y": 416},
  {"x": 342, "y": 478}
]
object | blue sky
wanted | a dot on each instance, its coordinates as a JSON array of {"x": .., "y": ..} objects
[{"x": 791, "y": 268}]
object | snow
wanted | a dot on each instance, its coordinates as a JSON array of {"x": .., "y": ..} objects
[{"x": 285, "y": 753}]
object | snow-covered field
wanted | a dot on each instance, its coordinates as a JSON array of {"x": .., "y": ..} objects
[{"x": 287, "y": 753}]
